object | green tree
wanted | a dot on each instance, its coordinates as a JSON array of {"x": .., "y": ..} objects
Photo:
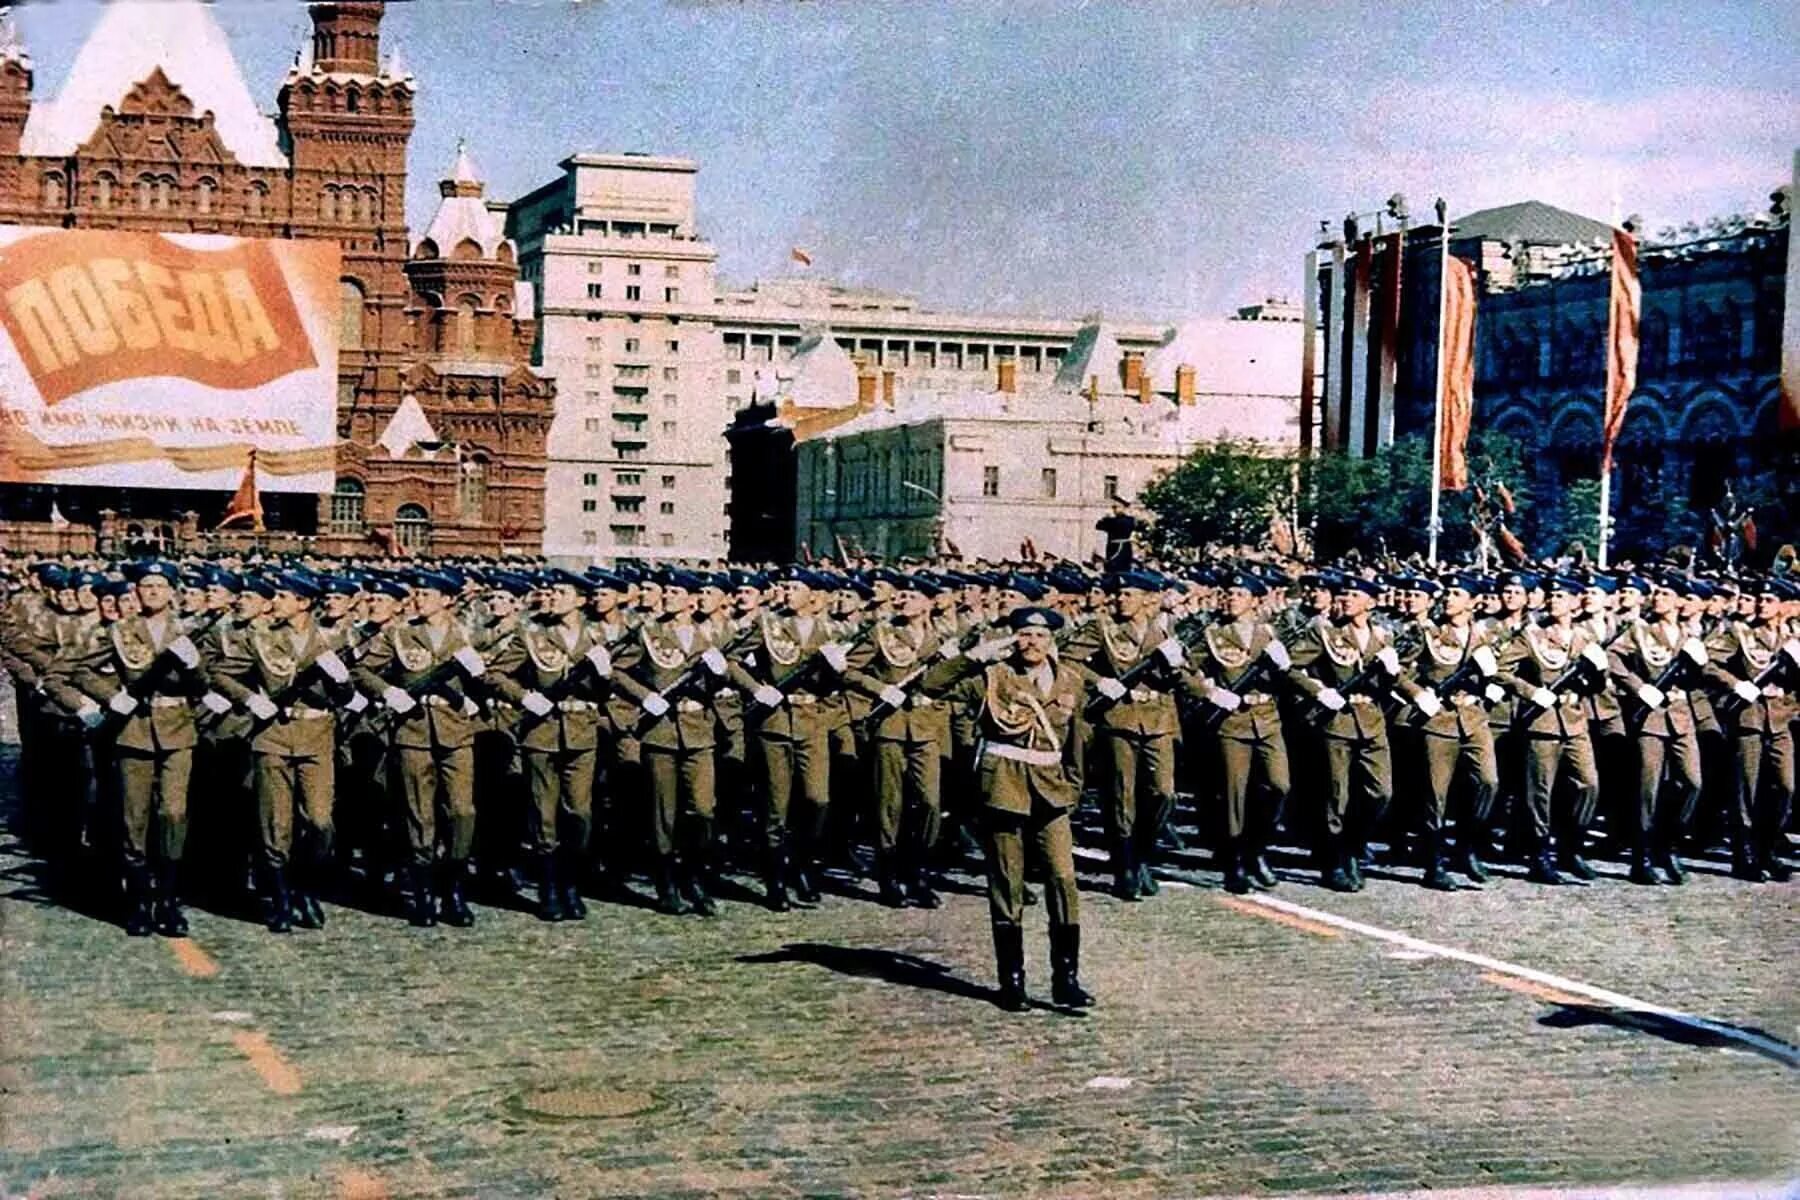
[{"x": 1223, "y": 494}]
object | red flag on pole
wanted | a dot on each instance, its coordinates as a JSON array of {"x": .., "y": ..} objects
[
  {"x": 1457, "y": 359},
  {"x": 1621, "y": 342},
  {"x": 246, "y": 504}
]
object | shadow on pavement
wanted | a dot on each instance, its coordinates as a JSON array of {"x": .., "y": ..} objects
[{"x": 1578, "y": 1016}]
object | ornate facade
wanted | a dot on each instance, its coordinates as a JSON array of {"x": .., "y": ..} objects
[{"x": 155, "y": 129}]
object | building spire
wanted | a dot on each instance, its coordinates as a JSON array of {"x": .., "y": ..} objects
[{"x": 12, "y": 46}]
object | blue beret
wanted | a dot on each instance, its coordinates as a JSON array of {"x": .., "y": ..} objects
[
  {"x": 155, "y": 568},
  {"x": 1565, "y": 583},
  {"x": 603, "y": 580},
  {"x": 81, "y": 579},
  {"x": 437, "y": 581},
  {"x": 1356, "y": 583},
  {"x": 383, "y": 586},
  {"x": 687, "y": 581},
  {"x": 1250, "y": 583},
  {"x": 1033, "y": 617},
  {"x": 299, "y": 584},
  {"x": 1142, "y": 580},
  {"x": 112, "y": 587},
  {"x": 1605, "y": 583},
  {"x": 1471, "y": 583},
  {"x": 54, "y": 576},
  {"x": 514, "y": 584},
  {"x": 339, "y": 585}
]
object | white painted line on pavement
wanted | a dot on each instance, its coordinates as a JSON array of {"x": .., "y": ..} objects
[{"x": 1780, "y": 1051}]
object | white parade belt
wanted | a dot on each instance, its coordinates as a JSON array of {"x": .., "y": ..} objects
[{"x": 1036, "y": 758}]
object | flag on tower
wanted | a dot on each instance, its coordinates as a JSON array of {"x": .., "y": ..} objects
[{"x": 246, "y": 503}]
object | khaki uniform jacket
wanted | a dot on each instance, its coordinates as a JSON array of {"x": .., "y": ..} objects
[
  {"x": 1012, "y": 713},
  {"x": 1430, "y": 654},
  {"x": 1535, "y": 658},
  {"x": 771, "y": 648},
  {"x": 1110, "y": 649},
  {"x": 1327, "y": 655},
  {"x": 1638, "y": 656},
  {"x": 890, "y": 655},
  {"x": 1739, "y": 651},
  {"x": 539, "y": 656},
  {"x": 405, "y": 656},
  {"x": 270, "y": 660},
  {"x": 223, "y": 643},
  {"x": 130, "y": 656},
  {"x": 1225, "y": 651},
  {"x": 652, "y": 660}
]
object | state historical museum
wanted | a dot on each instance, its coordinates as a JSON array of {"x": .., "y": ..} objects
[{"x": 441, "y": 420}]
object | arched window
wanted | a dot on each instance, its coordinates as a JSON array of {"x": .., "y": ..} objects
[
  {"x": 472, "y": 487},
  {"x": 328, "y": 199},
  {"x": 104, "y": 190},
  {"x": 466, "y": 310},
  {"x": 256, "y": 199},
  {"x": 412, "y": 528},
  {"x": 165, "y": 193},
  {"x": 351, "y": 299},
  {"x": 54, "y": 196},
  {"x": 204, "y": 192},
  {"x": 347, "y": 507},
  {"x": 146, "y": 193}
]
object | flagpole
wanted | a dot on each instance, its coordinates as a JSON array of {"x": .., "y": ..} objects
[
  {"x": 1605, "y": 508},
  {"x": 1437, "y": 406}
]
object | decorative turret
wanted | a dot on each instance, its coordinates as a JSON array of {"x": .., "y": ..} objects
[
  {"x": 347, "y": 37},
  {"x": 15, "y": 86},
  {"x": 464, "y": 274}
]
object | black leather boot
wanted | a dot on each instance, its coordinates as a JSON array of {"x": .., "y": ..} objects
[
  {"x": 1643, "y": 869},
  {"x": 775, "y": 876},
  {"x": 419, "y": 907},
  {"x": 1257, "y": 867},
  {"x": 1437, "y": 876},
  {"x": 170, "y": 921},
  {"x": 887, "y": 880},
  {"x": 304, "y": 896},
  {"x": 1009, "y": 959},
  {"x": 1469, "y": 863},
  {"x": 918, "y": 884},
  {"x": 278, "y": 902},
  {"x": 1353, "y": 865},
  {"x": 1770, "y": 848},
  {"x": 138, "y": 921},
  {"x": 1543, "y": 869},
  {"x": 669, "y": 899},
  {"x": 1126, "y": 881},
  {"x": 568, "y": 877},
  {"x": 1065, "y": 963},
  {"x": 452, "y": 908},
  {"x": 550, "y": 895},
  {"x": 1669, "y": 861},
  {"x": 1334, "y": 870},
  {"x": 698, "y": 873},
  {"x": 1237, "y": 876},
  {"x": 805, "y": 868}
]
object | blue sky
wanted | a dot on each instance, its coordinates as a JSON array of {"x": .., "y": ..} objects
[{"x": 1067, "y": 157}]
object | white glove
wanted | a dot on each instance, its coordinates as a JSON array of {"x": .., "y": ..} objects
[
  {"x": 1389, "y": 660},
  {"x": 183, "y": 648},
  {"x": 835, "y": 655},
  {"x": 398, "y": 701},
  {"x": 768, "y": 697},
  {"x": 1651, "y": 696},
  {"x": 1111, "y": 688},
  {"x": 600, "y": 660},
  {"x": 893, "y": 697},
  {"x": 714, "y": 662},
  {"x": 1746, "y": 691},
  {"x": 654, "y": 704},
  {"x": 537, "y": 704},
  {"x": 333, "y": 666},
  {"x": 261, "y": 706},
  {"x": 90, "y": 714},
  {"x": 1171, "y": 651},
  {"x": 1485, "y": 660},
  {"x": 1331, "y": 698},
  {"x": 989, "y": 650},
  {"x": 1278, "y": 654},
  {"x": 1494, "y": 693},
  {"x": 468, "y": 708},
  {"x": 1226, "y": 699},
  {"x": 470, "y": 662},
  {"x": 1428, "y": 703},
  {"x": 356, "y": 703},
  {"x": 218, "y": 705},
  {"x": 123, "y": 703},
  {"x": 1543, "y": 698},
  {"x": 948, "y": 650}
]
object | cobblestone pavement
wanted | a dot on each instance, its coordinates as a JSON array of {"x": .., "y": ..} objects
[{"x": 853, "y": 1050}]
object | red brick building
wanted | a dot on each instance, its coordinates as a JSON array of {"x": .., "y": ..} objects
[{"x": 155, "y": 129}]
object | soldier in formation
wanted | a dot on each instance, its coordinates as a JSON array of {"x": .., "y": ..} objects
[{"x": 412, "y": 727}]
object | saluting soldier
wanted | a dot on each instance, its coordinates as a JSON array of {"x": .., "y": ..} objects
[
  {"x": 286, "y": 675},
  {"x": 149, "y": 672},
  {"x": 1450, "y": 665},
  {"x": 1550, "y": 668},
  {"x": 1343, "y": 666},
  {"x": 663, "y": 680},
  {"x": 554, "y": 669},
  {"x": 1025, "y": 709},
  {"x": 1136, "y": 731},
  {"x": 1755, "y": 664},
  {"x": 423, "y": 670}
]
